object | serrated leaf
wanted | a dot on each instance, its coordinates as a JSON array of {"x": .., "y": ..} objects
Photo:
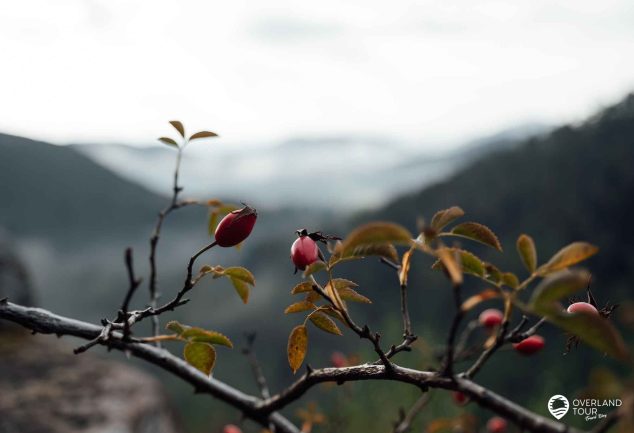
[
  {"x": 175, "y": 327},
  {"x": 594, "y": 330},
  {"x": 168, "y": 141},
  {"x": 526, "y": 249},
  {"x": 468, "y": 262},
  {"x": 474, "y": 300},
  {"x": 314, "y": 267},
  {"x": 446, "y": 216},
  {"x": 340, "y": 283},
  {"x": 381, "y": 250},
  {"x": 556, "y": 287},
  {"x": 509, "y": 279},
  {"x": 303, "y": 287},
  {"x": 572, "y": 254},
  {"x": 179, "y": 127},
  {"x": 200, "y": 335},
  {"x": 203, "y": 134},
  {"x": 325, "y": 323},
  {"x": 241, "y": 274},
  {"x": 376, "y": 233},
  {"x": 477, "y": 232},
  {"x": 297, "y": 347},
  {"x": 300, "y": 306},
  {"x": 201, "y": 356},
  {"x": 349, "y": 294}
]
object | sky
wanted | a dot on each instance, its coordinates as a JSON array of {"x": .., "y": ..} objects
[{"x": 259, "y": 72}]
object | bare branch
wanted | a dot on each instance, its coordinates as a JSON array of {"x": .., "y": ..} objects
[
  {"x": 44, "y": 322},
  {"x": 453, "y": 331}
]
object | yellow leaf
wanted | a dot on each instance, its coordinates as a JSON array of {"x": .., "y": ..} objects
[
  {"x": 324, "y": 323},
  {"x": 405, "y": 265},
  {"x": 474, "y": 300},
  {"x": 202, "y": 356},
  {"x": 300, "y": 306},
  {"x": 297, "y": 347}
]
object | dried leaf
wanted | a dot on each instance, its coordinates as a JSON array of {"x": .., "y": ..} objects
[
  {"x": 405, "y": 265},
  {"x": 348, "y": 294},
  {"x": 297, "y": 347},
  {"x": 303, "y": 287},
  {"x": 474, "y": 300}
]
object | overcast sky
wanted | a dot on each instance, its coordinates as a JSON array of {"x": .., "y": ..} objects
[{"x": 264, "y": 71}]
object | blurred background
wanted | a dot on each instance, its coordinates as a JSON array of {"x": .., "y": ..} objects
[{"x": 330, "y": 114}]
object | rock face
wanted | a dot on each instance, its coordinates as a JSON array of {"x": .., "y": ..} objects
[
  {"x": 14, "y": 280},
  {"x": 44, "y": 387}
]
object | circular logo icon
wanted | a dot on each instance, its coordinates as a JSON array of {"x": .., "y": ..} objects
[{"x": 558, "y": 406}]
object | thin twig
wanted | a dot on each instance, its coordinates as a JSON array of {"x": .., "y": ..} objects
[
  {"x": 249, "y": 352},
  {"x": 405, "y": 423},
  {"x": 154, "y": 239},
  {"x": 134, "y": 284},
  {"x": 453, "y": 331}
]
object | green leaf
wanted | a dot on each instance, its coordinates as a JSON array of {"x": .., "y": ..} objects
[
  {"x": 241, "y": 274},
  {"x": 168, "y": 141},
  {"x": 303, "y": 287},
  {"x": 203, "y": 134},
  {"x": 594, "y": 330},
  {"x": 340, "y": 283},
  {"x": 200, "y": 335},
  {"x": 556, "y": 287},
  {"x": 179, "y": 127},
  {"x": 510, "y": 279},
  {"x": 242, "y": 288},
  {"x": 297, "y": 347},
  {"x": 212, "y": 223},
  {"x": 314, "y": 267},
  {"x": 444, "y": 217},
  {"x": 469, "y": 262},
  {"x": 568, "y": 256},
  {"x": 325, "y": 323},
  {"x": 300, "y": 306},
  {"x": 348, "y": 294},
  {"x": 477, "y": 232},
  {"x": 176, "y": 327},
  {"x": 492, "y": 272},
  {"x": 526, "y": 249},
  {"x": 202, "y": 356}
]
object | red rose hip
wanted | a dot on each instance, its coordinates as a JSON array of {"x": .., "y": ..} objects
[
  {"x": 338, "y": 360},
  {"x": 582, "y": 307},
  {"x": 530, "y": 345},
  {"x": 236, "y": 227},
  {"x": 496, "y": 425},
  {"x": 459, "y": 398},
  {"x": 491, "y": 318},
  {"x": 230, "y": 428},
  {"x": 304, "y": 252}
]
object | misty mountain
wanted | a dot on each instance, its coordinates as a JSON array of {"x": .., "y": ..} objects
[{"x": 349, "y": 172}]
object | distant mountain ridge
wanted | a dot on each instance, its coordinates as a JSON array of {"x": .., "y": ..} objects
[{"x": 350, "y": 172}]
